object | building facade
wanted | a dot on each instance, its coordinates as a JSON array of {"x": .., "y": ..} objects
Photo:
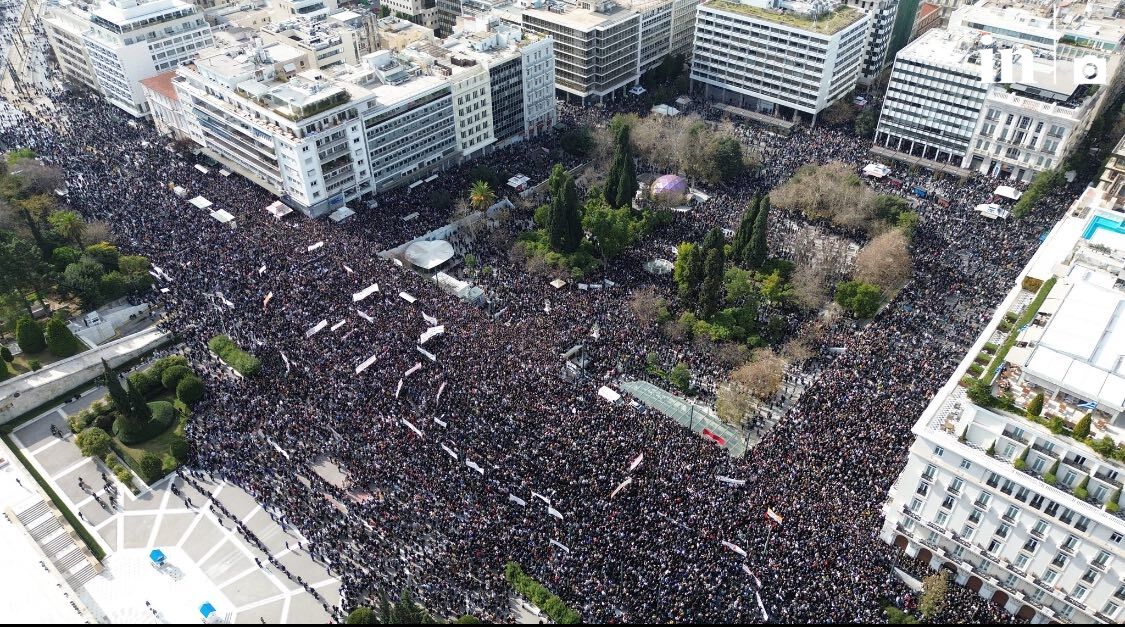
[
  {"x": 880, "y": 27},
  {"x": 751, "y": 55},
  {"x": 1019, "y": 512},
  {"x": 123, "y": 42},
  {"x": 321, "y": 137}
]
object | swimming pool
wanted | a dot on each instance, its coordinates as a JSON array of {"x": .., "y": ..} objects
[{"x": 1100, "y": 223}]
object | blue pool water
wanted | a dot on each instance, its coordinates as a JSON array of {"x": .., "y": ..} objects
[{"x": 1102, "y": 222}]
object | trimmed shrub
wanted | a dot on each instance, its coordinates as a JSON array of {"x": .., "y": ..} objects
[
  {"x": 544, "y": 599},
  {"x": 189, "y": 390},
  {"x": 6, "y": 354},
  {"x": 34, "y": 364},
  {"x": 93, "y": 442},
  {"x": 160, "y": 365},
  {"x": 59, "y": 339},
  {"x": 362, "y": 616},
  {"x": 4, "y": 372},
  {"x": 29, "y": 335},
  {"x": 163, "y": 415},
  {"x": 144, "y": 383},
  {"x": 172, "y": 376},
  {"x": 178, "y": 448},
  {"x": 150, "y": 466},
  {"x": 1035, "y": 407},
  {"x": 244, "y": 363},
  {"x": 168, "y": 464}
]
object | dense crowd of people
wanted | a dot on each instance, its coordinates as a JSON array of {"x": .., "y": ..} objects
[{"x": 487, "y": 454}]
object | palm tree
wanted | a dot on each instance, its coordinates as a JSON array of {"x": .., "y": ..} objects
[
  {"x": 69, "y": 225},
  {"x": 481, "y": 195}
]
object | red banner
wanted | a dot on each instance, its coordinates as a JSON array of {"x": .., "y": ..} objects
[{"x": 707, "y": 433}]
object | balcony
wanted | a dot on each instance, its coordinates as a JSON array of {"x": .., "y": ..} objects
[
  {"x": 1011, "y": 435},
  {"x": 1037, "y": 447},
  {"x": 963, "y": 542}
]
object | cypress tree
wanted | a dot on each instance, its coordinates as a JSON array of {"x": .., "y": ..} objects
[
  {"x": 572, "y": 234},
  {"x": 713, "y": 241},
  {"x": 29, "y": 335},
  {"x": 556, "y": 223},
  {"x": 745, "y": 231},
  {"x": 555, "y": 181},
  {"x": 710, "y": 295},
  {"x": 613, "y": 178},
  {"x": 758, "y": 249},
  {"x": 627, "y": 183},
  {"x": 116, "y": 392},
  {"x": 690, "y": 264},
  {"x": 139, "y": 409}
]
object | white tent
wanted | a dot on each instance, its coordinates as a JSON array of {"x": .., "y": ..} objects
[
  {"x": 558, "y": 284},
  {"x": 224, "y": 171},
  {"x": 1005, "y": 191},
  {"x": 202, "y": 169},
  {"x": 666, "y": 110},
  {"x": 279, "y": 209},
  {"x": 518, "y": 182},
  {"x": 179, "y": 191},
  {"x": 659, "y": 267},
  {"x": 992, "y": 211},
  {"x": 429, "y": 254},
  {"x": 683, "y": 101},
  {"x": 222, "y": 216},
  {"x": 200, "y": 202},
  {"x": 609, "y": 394},
  {"x": 341, "y": 214},
  {"x": 876, "y": 170},
  {"x": 637, "y": 90}
]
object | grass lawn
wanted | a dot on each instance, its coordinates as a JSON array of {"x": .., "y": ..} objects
[
  {"x": 20, "y": 364},
  {"x": 158, "y": 446}
]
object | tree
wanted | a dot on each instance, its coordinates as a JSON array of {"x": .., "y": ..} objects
[
  {"x": 363, "y": 615},
  {"x": 29, "y": 335},
  {"x": 384, "y": 11},
  {"x": 93, "y": 442},
  {"x": 838, "y": 113},
  {"x": 4, "y": 371},
  {"x": 1082, "y": 429},
  {"x": 726, "y": 158},
  {"x": 6, "y": 354},
  {"x": 481, "y": 196},
  {"x": 171, "y": 377},
  {"x": 1104, "y": 446},
  {"x": 710, "y": 295},
  {"x": 865, "y": 123},
  {"x": 774, "y": 288},
  {"x": 84, "y": 279},
  {"x": 745, "y": 230},
  {"x": 627, "y": 182},
  {"x": 69, "y": 225},
  {"x": 133, "y": 264},
  {"x": 139, "y": 410},
  {"x": 647, "y": 305},
  {"x": 104, "y": 253},
  {"x": 860, "y": 299},
  {"x": 680, "y": 377},
  {"x": 887, "y": 207},
  {"x": 113, "y": 384},
  {"x": 150, "y": 466},
  {"x": 407, "y": 612},
  {"x": 612, "y": 230},
  {"x": 935, "y": 588},
  {"x": 564, "y": 225},
  {"x": 688, "y": 271},
  {"x": 761, "y": 377},
  {"x": 1035, "y": 408},
  {"x": 885, "y": 261},
  {"x": 60, "y": 340},
  {"x": 189, "y": 390},
  {"x": 758, "y": 248}
]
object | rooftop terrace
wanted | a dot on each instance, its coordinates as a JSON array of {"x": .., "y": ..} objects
[{"x": 826, "y": 24}]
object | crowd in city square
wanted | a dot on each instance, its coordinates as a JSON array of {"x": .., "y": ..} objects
[{"x": 486, "y": 454}]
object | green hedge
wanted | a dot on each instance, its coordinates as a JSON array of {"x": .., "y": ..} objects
[
  {"x": 538, "y": 594},
  {"x": 163, "y": 415},
  {"x": 1025, "y": 318},
  {"x": 244, "y": 363}
]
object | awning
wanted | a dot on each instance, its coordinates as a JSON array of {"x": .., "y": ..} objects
[
  {"x": 429, "y": 254},
  {"x": 518, "y": 182},
  {"x": 558, "y": 284},
  {"x": 222, "y": 216},
  {"x": 224, "y": 171},
  {"x": 206, "y": 609},
  {"x": 200, "y": 202},
  {"x": 157, "y": 556},
  {"x": 341, "y": 214},
  {"x": 876, "y": 170},
  {"x": 637, "y": 90},
  {"x": 1008, "y": 192},
  {"x": 279, "y": 209},
  {"x": 609, "y": 394},
  {"x": 992, "y": 211}
]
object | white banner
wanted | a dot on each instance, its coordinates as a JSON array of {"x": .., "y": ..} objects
[
  {"x": 320, "y": 326},
  {"x": 262, "y": 269},
  {"x": 427, "y": 354},
  {"x": 267, "y": 299},
  {"x": 415, "y": 368},
  {"x": 338, "y": 325},
  {"x": 430, "y": 320},
  {"x": 554, "y": 512},
  {"x": 542, "y": 498},
  {"x": 728, "y": 480},
  {"x": 440, "y": 422},
  {"x": 449, "y": 450},
  {"x": 367, "y": 363},
  {"x": 621, "y": 487},
  {"x": 474, "y": 466},
  {"x": 441, "y": 388},
  {"x": 364, "y": 293},
  {"x": 761, "y": 606},
  {"x": 350, "y": 271},
  {"x": 751, "y": 573},
  {"x": 315, "y": 246},
  {"x": 399, "y": 388},
  {"x": 560, "y": 545},
  {"x": 517, "y": 500},
  {"x": 735, "y": 548},
  {"x": 364, "y": 316},
  {"x": 407, "y": 297},
  {"x": 286, "y": 360},
  {"x": 636, "y": 462},
  {"x": 412, "y": 427},
  {"x": 431, "y": 333}
]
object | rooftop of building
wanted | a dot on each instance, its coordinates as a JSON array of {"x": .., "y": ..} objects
[
  {"x": 1078, "y": 18},
  {"x": 121, "y": 12},
  {"x": 161, "y": 84},
  {"x": 926, "y": 10},
  {"x": 818, "y": 17},
  {"x": 585, "y": 16},
  {"x": 942, "y": 46}
]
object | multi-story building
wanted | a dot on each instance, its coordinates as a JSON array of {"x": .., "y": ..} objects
[
  {"x": 1025, "y": 510},
  {"x": 421, "y": 12},
  {"x": 326, "y": 42},
  {"x": 880, "y": 26},
  {"x": 113, "y": 46},
  {"x": 314, "y": 9},
  {"x": 320, "y": 137},
  {"x": 1111, "y": 186},
  {"x": 928, "y": 17},
  {"x": 779, "y": 58},
  {"x": 1028, "y": 118},
  {"x": 393, "y": 33}
]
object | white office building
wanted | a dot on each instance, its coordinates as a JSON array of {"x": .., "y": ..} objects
[
  {"x": 1029, "y": 119},
  {"x": 880, "y": 24},
  {"x": 780, "y": 58},
  {"x": 112, "y": 46},
  {"x": 1019, "y": 510},
  {"x": 321, "y": 137},
  {"x": 421, "y": 12}
]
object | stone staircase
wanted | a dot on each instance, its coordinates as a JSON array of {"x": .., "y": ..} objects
[{"x": 67, "y": 553}]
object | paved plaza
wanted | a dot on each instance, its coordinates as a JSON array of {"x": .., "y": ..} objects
[{"x": 207, "y": 560}]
